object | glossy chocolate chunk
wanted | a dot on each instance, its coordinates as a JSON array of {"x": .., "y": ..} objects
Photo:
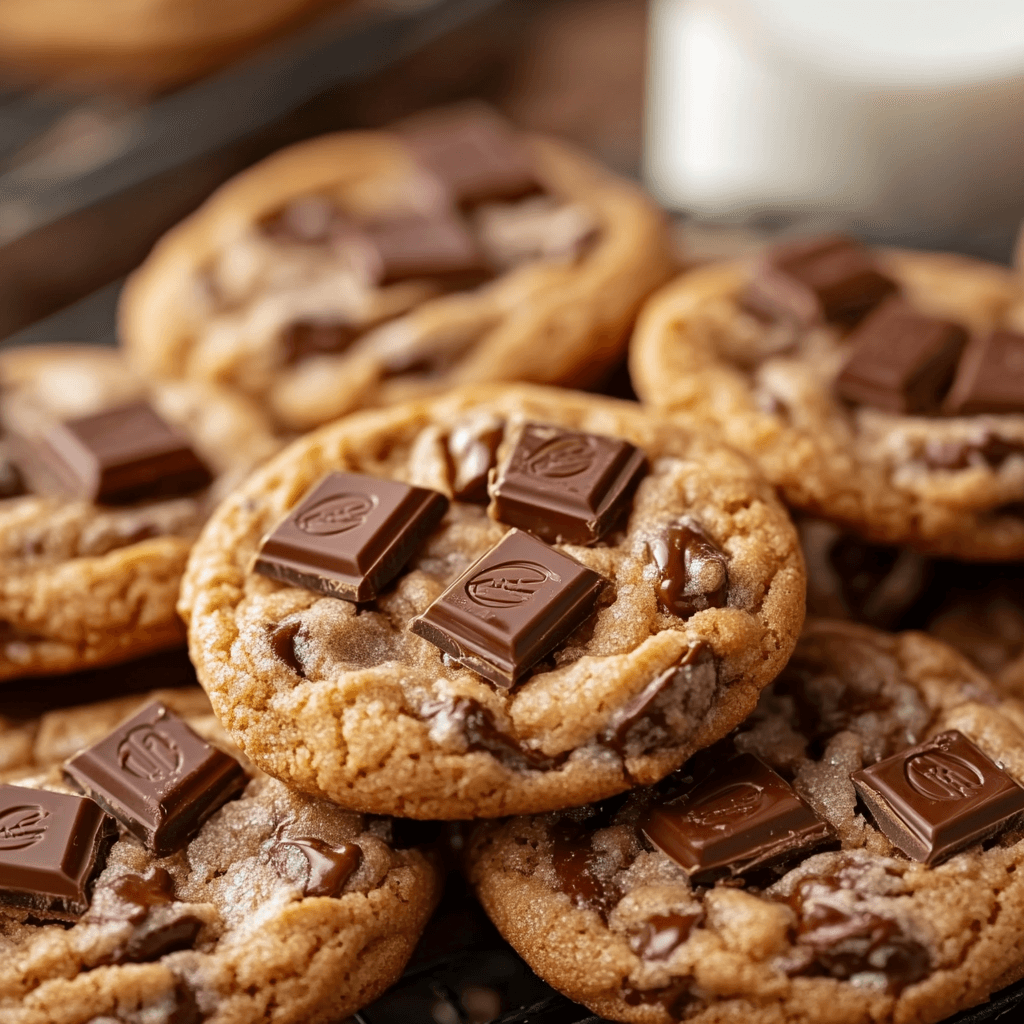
[
  {"x": 662, "y": 933},
  {"x": 114, "y": 457},
  {"x": 305, "y": 338},
  {"x": 52, "y": 845},
  {"x": 743, "y": 817},
  {"x": 934, "y": 799},
  {"x": 564, "y": 486},
  {"x": 318, "y": 868},
  {"x": 350, "y": 536},
  {"x": 990, "y": 377},
  {"x": 641, "y": 724},
  {"x": 157, "y": 777},
  {"x": 397, "y": 250},
  {"x": 830, "y": 279},
  {"x": 511, "y": 608},
  {"x": 471, "y": 448},
  {"x": 473, "y": 152},
  {"x": 901, "y": 361},
  {"x": 694, "y": 572},
  {"x": 839, "y": 937}
]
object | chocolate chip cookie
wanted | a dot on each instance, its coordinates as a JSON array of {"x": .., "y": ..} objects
[
  {"x": 877, "y": 389},
  {"x": 365, "y": 268},
  {"x": 508, "y": 598},
  {"x": 259, "y": 903},
  {"x": 851, "y": 852},
  {"x": 105, "y": 483}
]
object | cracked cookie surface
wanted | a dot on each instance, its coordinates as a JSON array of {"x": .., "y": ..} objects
[
  {"x": 256, "y": 291},
  {"x": 942, "y": 484},
  {"x": 346, "y": 701},
  {"x": 222, "y": 930},
  {"x": 858, "y": 933},
  {"x": 87, "y": 584}
]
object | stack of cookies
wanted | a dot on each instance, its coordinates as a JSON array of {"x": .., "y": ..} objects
[{"x": 573, "y": 624}]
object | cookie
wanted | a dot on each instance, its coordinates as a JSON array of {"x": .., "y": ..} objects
[
  {"x": 861, "y": 382},
  {"x": 754, "y": 883},
  {"x": 94, "y": 539},
  {"x": 364, "y": 268},
  {"x": 495, "y": 671},
  {"x": 146, "y": 44},
  {"x": 281, "y": 907}
]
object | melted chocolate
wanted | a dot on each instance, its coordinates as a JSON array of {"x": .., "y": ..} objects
[
  {"x": 662, "y": 934},
  {"x": 694, "y": 572},
  {"x": 282, "y": 640},
  {"x": 327, "y": 869},
  {"x": 841, "y": 943},
  {"x": 470, "y": 451},
  {"x": 144, "y": 892},
  {"x": 573, "y": 859}
]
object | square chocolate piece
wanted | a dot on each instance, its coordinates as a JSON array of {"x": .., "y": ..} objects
[
  {"x": 350, "y": 536},
  {"x": 510, "y": 608},
  {"x": 115, "y": 457},
  {"x": 410, "y": 247},
  {"x": 990, "y": 377},
  {"x": 934, "y": 799},
  {"x": 157, "y": 777},
  {"x": 52, "y": 845},
  {"x": 901, "y": 361},
  {"x": 564, "y": 486},
  {"x": 744, "y": 816},
  {"x": 474, "y": 152},
  {"x": 830, "y": 279}
]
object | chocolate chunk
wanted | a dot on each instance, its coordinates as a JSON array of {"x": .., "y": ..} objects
[
  {"x": 510, "y": 608},
  {"x": 473, "y": 152},
  {"x": 841, "y": 939},
  {"x": 476, "y": 725},
  {"x": 144, "y": 892},
  {"x": 574, "y": 860},
  {"x": 470, "y": 450},
  {"x": 901, "y": 361},
  {"x": 305, "y": 338},
  {"x": 157, "y": 777},
  {"x": 674, "y": 998},
  {"x": 566, "y": 487},
  {"x": 832, "y": 278},
  {"x": 114, "y": 457},
  {"x": 662, "y": 933},
  {"x": 990, "y": 377},
  {"x": 157, "y": 940},
  {"x": 694, "y": 572},
  {"x": 397, "y": 250},
  {"x": 744, "y": 816},
  {"x": 282, "y": 639},
  {"x": 317, "y": 867},
  {"x": 934, "y": 799},
  {"x": 641, "y": 724},
  {"x": 985, "y": 449},
  {"x": 350, "y": 536},
  {"x": 52, "y": 845},
  {"x": 11, "y": 483}
]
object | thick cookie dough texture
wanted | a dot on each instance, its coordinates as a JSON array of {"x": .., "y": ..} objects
[
  {"x": 83, "y": 584},
  {"x": 345, "y": 701},
  {"x": 548, "y": 321},
  {"x": 950, "y": 934},
  {"x": 141, "y": 44},
  {"x": 264, "y": 952},
  {"x": 698, "y": 355}
]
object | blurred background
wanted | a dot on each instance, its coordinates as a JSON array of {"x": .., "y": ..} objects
[{"x": 900, "y": 120}]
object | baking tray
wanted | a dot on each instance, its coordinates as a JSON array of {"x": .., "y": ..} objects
[{"x": 77, "y": 216}]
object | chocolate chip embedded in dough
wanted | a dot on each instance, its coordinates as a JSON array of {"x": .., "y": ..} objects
[
  {"x": 305, "y": 338},
  {"x": 694, "y": 571},
  {"x": 470, "y": 449},
  {"x": 662, "y": 934},
  {"x": 318, "y": 867}
]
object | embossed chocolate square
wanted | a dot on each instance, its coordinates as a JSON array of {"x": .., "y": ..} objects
[
  {"x": 743, "y": 817},
  {"x": 901, "y": 360},
  {"x": 157, "y": 777},
  {"x": 118, "y": 456},
  {"x": 934, "y": 799},
  {"x": 350, "y": 536},
  {"x": 52, "y": 845},
  {"x": 832, "y": 279},
  {"x": 565, "y": 486},
  {"x": 510, "y": 609}
]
